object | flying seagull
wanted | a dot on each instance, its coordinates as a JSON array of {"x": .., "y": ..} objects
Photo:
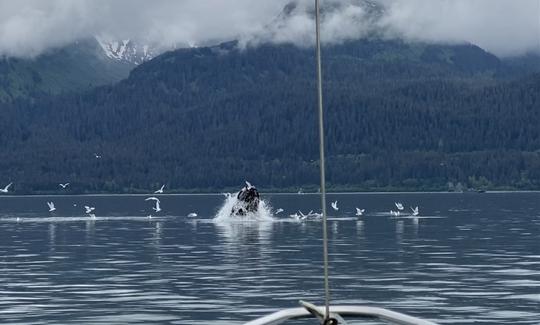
[
  {"x": 160, "y": 191},
  {"x": 304, "y": 216},
  {"x": 248, "y": 184},
  {"x": 51, "y": 206},
  {"x": 414, "y": 211},
  {"x": 157, "y": 208},
  {"x": 399, "y": 205},
  {"x": 334, "y": 206},
  {"x": 64, "y": 185},
  {"x": 89, "y": 209},
  {"x": 192, "y": 215},
  {"x": 360, "y": 212},
  {"x": 6, "y": 189},
  {"x": 278, "y": 211},
  {"x": 295, "y": 216}
]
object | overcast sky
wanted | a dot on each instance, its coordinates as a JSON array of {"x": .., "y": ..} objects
[{"x": 30, "y": 27}]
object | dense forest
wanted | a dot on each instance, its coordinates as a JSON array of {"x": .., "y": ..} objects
[{"x": 399, "y": 116}]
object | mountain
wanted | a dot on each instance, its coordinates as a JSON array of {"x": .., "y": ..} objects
[
  {"x": 398, "y": 116},
  {"x": 127, "y": 50},
  {"x": 522, "y": 64},
  {"x": 76, "y": 67}
]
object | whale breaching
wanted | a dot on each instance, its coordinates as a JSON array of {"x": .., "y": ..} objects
[
  {"x": 247, "y": 200},
  {"x": 244, "y": 206}
]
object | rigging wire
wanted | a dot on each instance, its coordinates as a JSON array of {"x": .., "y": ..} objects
[{"x": 322, "y": 163}]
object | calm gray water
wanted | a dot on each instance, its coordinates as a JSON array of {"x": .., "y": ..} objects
[{"x": 468, "y": 258}]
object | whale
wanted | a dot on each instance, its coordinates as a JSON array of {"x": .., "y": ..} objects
[{"x": 247, "y": 201}]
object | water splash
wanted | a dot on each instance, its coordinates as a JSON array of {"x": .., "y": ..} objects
[{"x": 264, "y": 212}]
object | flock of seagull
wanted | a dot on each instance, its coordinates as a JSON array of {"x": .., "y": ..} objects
[
  {"x": 400, "y": 208},
  {"x": 359, "y": 212},
  {"x": 89, "y": 209},
  {"x": 298, "y": 215}
]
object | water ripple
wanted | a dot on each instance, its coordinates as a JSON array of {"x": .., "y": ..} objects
[{"x": 467, "y": 268}]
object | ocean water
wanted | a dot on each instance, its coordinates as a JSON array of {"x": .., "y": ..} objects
[{"x": 466, "y": 259}]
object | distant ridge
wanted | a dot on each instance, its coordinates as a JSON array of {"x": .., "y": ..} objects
[
  {"x": 400, "y": 116},
  {"x": 76, "y": 67}
]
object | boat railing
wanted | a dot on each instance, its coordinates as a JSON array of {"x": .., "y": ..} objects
[{"x": 337, "y": 312}]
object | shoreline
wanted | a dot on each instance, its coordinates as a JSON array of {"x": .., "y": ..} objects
[{"x": 271, "y": 193}]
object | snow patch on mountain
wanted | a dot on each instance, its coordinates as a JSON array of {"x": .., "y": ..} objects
[{"x": 127, "y": 50}]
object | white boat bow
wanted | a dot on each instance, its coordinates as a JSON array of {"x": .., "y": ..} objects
[{"x": 382, "y": 314}]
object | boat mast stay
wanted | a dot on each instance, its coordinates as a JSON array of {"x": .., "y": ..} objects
[{"x": 322, "y": 163}]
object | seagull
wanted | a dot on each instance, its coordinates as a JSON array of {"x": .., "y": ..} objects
[
  {"x": 295, "y": 216},
  {"x": 360, "y": 212},
  {"x": 6, "y": 189},
  {"x": 304, "y": 216},
  {"x": 278, "y": 211},
  {"x": 157, "y": 207},
  {"x": 394, "y": 213},
  {"x": 51, "y": 206},
  {"x": 414, "y": 211},
  {"x": 89, "y": 209},
  {"x": 160, "y": 191},
  {"x": 63, "y": 185},
  {"x": 248, "y": 184},
  {"x": 399, "y": 205},
  {"x": 192, "y": 215},
  {"x": 314, "y": 214},
  {"x": 97, "y": 156},
  {"x": 310, "y": 214},
  {"x": 149, "y": 216},
  {"x": 334, "y": 206},
  {"x": 93, "y": 216}
]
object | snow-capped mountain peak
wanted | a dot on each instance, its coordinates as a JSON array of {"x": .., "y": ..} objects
[{"x": 126, "y": 50}]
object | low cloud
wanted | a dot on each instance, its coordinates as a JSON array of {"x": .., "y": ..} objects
[
  {"x": 504, "y": 27},
  {"x": 30, "y": 27}
]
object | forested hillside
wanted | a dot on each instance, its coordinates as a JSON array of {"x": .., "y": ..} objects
[
  {"x": 77, "y": 67},
  {"x": 398, "y": 116}
]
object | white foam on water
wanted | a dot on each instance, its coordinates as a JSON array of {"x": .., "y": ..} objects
[
  {"x": 79, "y": 219},
  {"x": 264, "y": 213}
]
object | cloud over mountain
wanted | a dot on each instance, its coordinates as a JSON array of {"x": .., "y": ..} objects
[{"x": 504, "y": 27}]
